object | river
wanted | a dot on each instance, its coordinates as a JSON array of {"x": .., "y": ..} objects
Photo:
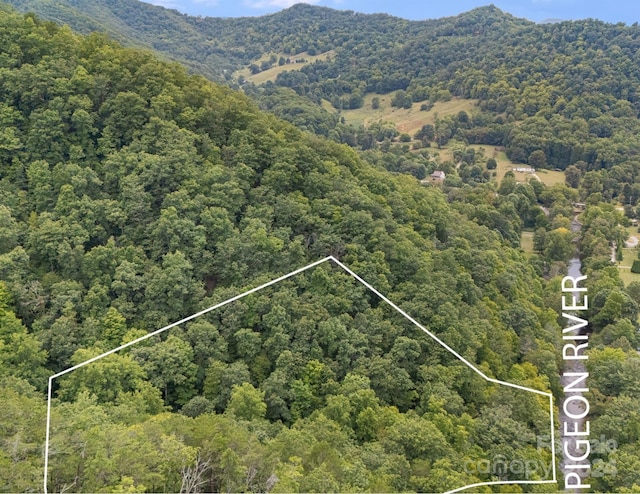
[{"x": 574, "y": 270}]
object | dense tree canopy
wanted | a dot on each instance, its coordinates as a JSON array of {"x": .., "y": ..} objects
[
  {"x": 552, "y": 94},
  {"x": 134, "y": 195}
]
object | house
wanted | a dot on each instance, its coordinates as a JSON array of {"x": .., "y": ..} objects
[{"x": 438, "y": 176}]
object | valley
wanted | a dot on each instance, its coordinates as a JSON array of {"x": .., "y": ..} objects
[{"x": 146, "y": 184}]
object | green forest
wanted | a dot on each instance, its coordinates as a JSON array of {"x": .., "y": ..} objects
[{"x": 136, "y": 192}]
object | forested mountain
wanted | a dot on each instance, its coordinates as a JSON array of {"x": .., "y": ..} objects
[
  {"x": 134, "y": 194},
  {"x": 569, "y": 90}
]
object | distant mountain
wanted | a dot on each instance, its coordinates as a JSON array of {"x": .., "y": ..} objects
[
  {"x": 132, "y": 23},
  {"x": 570, "y": 90},
  {"x": 212, "y": 46}
]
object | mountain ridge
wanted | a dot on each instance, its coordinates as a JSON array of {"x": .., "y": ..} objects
[
  {"x": 128, "y": 21},
  {"x": 567, "y": 74}
]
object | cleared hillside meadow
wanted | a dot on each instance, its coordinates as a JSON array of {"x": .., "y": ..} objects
[
  {"x": 407, "y": 120},
  {"x": 272, "y": 73}
]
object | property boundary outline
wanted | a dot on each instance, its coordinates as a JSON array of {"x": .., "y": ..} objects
[{"x": 376, "y": 292}]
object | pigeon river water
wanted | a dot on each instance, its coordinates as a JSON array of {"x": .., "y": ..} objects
[{"x": 573, "y": 413}]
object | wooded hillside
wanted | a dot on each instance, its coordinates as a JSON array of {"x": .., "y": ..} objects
[
  {"x": 553, "y": 94},
  {"x": 133, "y": 194}
]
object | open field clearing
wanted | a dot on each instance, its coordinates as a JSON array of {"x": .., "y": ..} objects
[
  {"x": 624, "y": 266},
  {"x": 408, "y": 120},
  {"x": 547, "y": 177},
  {"x": 272, "y": 73},
  {"x": 634, "y": 236},
  {"x": 550, "y": 177},
  {"x": 444, "y": 154},
  {"x": 526, "y": 242}
]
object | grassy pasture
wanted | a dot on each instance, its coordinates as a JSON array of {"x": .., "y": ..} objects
[
  {"x": 526, "y": 242},
  {"x": 272, "y": 73},
  {"x": 629, "y": 254},
  {"x": 408, "y": 120},
  {"x": 550, "y": 177},
  {"x": 547, "y": 177}
]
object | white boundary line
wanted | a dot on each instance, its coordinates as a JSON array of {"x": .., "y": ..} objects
[
  {"x": 282, "y": 278},
  {"x": 502, "y": 482},
  {"x": 149, "y": 335},
  {"x": 474, "y": 368}
]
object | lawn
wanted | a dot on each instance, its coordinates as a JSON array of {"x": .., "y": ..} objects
[
  {"x": 504, "y": 164},
  {"x": 444, "y": 154},
  {"x": 547, "y": 177},
  {"x": 326, "y": 104},
  {"x": 550, "y": 177},
  {"x": 628, "y": 256},
  {"x": 633, "y": 231}
]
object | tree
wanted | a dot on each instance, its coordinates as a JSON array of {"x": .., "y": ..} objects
[
  {"x": 401, "y": 99},
  {"x": 573, "y": 175},
  {"x": 537, "y": 159},
  {"x": 508, "y": 184},
  {"x": 633, "y": 290},
  {"x": 197, "y": 406},
  {"x": 171, "y": 290},
  {"x": 124, "y": 115},
  {"x": 591, "y": 184},
  {"x": 46, "y": 138},
  {"x": 21, "y": 354},
  {"x": 426, "y": 441},
  {"x": 617, "y": 305},
  {"x": 8, "y": 230},
  {"x": 426, "y": 134},
  {"x": 105, "y": 379},
  {"x": 620, "y": 329},
  {"x": 171, "y": 233},
  {"x": 558, "y": 245},
  {"x": 113, "y": 328},
  {"x": 21, "y": 410},
  {"x": 170, "y": 368},
  {"x": 265, "y": 65},
  {"x": 207, "y": 343},
  {"x": 10, "y": 143},
  {"x": 220, "y": 379},
  {"x": 247, "y": 402}
]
